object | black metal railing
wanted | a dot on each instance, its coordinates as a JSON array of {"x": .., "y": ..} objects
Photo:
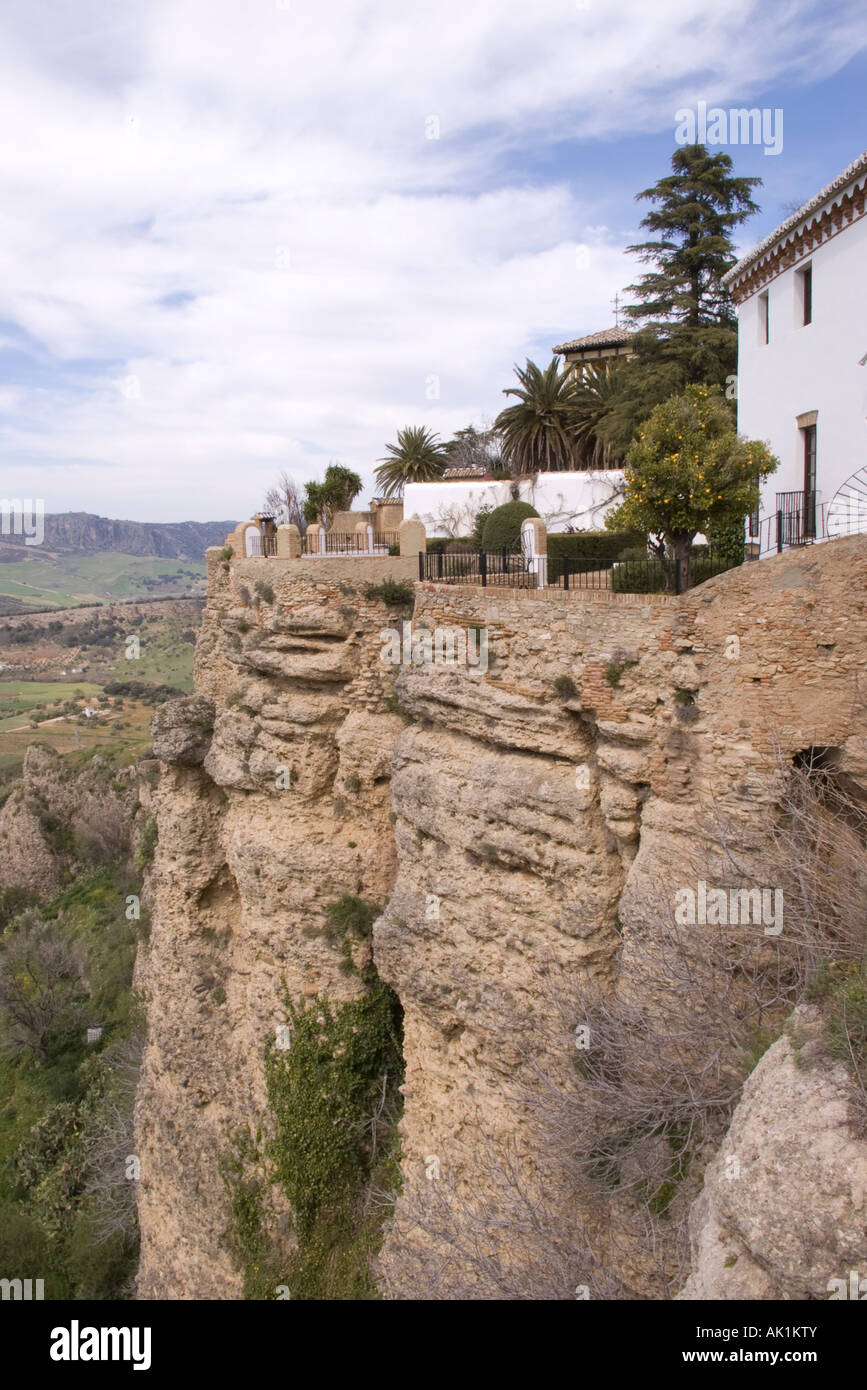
[
  {"x": 643, "y": 574},
  {"x": 788, "y": 527},
  {"x": 351, "y": 543},
  {"x": 504, "y": 567},
  {"x": 269, "y": 545},
  {"x": 640, "y": 574}
]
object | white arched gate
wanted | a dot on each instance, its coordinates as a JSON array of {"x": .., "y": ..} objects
[{"x": 252, "y": 542}]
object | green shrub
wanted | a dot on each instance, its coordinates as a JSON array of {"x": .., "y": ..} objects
[
  {"x": 605, "y": 546},
  {"x": 565, "y": 687},
  {"x": 344, "y": 1066},
  {"x": 479, "y": 524},
  {"x": 614, "y": 671},
  {"x": 728, "y": 542},
  {"x": 264, "y": 591},
  {"x": 502, "y": 529},
  {"x": 348, "y": 921},
  {"x": 846, "y": 1013},
  {"x": 391, "y": 593},
  {"x": 147, "y": 843},
  {"x": 644, "y": 576}
]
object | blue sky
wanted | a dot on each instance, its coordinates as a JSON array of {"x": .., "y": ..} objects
[{"x": 238, "y": 237}]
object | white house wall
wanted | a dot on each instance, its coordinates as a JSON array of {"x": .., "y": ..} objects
[
  {"x": 579, "y": 500},
  {"x": 809, "y": 367}
]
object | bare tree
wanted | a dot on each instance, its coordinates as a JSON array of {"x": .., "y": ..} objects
[
  {"x": 41, "y": 993},
  {"x": 284, "y": 501},
  {"x": 112, "y": 1166}
]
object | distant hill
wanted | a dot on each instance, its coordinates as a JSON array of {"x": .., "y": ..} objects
[{"x": 167, "y": 540}]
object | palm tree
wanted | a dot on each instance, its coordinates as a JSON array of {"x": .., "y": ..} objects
[
  {"x": 596, "y": 395},
  {"x": 418, "y": 457},
  {"x": 539, "y": 433}
]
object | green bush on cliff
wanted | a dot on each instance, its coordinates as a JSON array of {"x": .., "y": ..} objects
[{"x": 335, "y": 1102}]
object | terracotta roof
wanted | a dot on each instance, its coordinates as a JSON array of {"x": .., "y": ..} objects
[
  {"x": 609, "y": 337},
  {"x": 468, "y": 471},
  {"x": 849, "y": 174}
]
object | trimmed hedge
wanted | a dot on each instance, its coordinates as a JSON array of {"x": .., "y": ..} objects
[
  {"x": 503, "y": 527},
  {"x": 645, "y": 576},
  {"x": 601, "y": 547}
]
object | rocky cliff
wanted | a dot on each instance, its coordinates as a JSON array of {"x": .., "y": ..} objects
[
  {"x": 528, "y": 827},
  {"x": 178, "y": 540}
]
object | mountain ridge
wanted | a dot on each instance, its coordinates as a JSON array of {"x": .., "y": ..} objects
[{"x": 91, "y": 533}]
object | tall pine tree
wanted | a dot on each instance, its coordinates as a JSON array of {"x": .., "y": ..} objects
[{"x": 687, "y": 328}]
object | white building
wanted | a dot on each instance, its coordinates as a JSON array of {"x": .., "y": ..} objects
[
  {"x": 576, "y": 501},
  {"x": 801, "y": 297}
]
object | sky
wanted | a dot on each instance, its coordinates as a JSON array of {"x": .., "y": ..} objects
[{"x": 238, "y": 237}]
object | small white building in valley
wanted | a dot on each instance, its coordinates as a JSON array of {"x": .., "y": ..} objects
[{"x": 801, "y": 298}]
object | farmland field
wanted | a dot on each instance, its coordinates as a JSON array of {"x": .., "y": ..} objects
[{"x": 46, "y": 580}]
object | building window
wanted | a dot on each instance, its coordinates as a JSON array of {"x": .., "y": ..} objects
[
  {"x": 764, "y": 319},
  {"x": 804, "y": 281},
  {"x": 809, "y": 525}
]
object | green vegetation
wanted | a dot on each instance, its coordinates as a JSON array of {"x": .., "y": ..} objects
[
  {"x": 502, "y": 529},
  {"x": 419, "y": 456},
  {"x": 614, "y": 671},
  {"x": 18, "y": 697},
  {"x": 539, "y": 433},
  {"x": 565, "y": 688},
  {"x": 45, "y": 580},
  {"x": 393, "y": 594},
  {"x": 336, "y": 494},
  {"x": 147, "y": 843},
  {"x": 334, "y": 1099},
  {"x": 593, "y": 545},
  {"x": 264, "y": 591},
  {"x": 841, "y": 990},
  {"x": 689, "y": 472},
  {"x": 66, "y": 1197}
]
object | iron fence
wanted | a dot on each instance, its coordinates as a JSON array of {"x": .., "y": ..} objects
[
  {"x": 785, "y": 528},
  {"x": 640, "y": 574}
]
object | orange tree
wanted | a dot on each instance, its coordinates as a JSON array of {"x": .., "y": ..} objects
[{"x": 689, "y": 471}]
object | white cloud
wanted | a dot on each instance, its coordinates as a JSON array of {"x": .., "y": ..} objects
[{"x": 272, "y": 164}]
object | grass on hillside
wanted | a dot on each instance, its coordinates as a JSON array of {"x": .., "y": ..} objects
[
  {"x": 46, "y": 580},
  {"x": 60, "y": 1112}
]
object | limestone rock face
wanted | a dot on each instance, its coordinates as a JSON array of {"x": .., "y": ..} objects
[
  {"x": 521, "y": 844},
  {"x": 182, "y": 729},
  {"x": 99, "y": 801},
  {"x": 281, "y": 810},
  {"x": 784, "y": 1206}
]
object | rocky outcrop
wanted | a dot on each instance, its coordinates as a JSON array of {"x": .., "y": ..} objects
[
  {"x": 182, "y": 730},
  {"x": 783, "y": 1212},
  {"x": 55, "y": 814},
  {"x": 526, "y": 824}
]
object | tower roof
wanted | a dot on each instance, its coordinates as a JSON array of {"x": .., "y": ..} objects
[{"x": 609, "y": 337}]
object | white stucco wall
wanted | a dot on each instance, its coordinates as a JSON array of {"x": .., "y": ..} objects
[
  {"x": 579, "y": 500},
  {"x": 809, "y": 367}
]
